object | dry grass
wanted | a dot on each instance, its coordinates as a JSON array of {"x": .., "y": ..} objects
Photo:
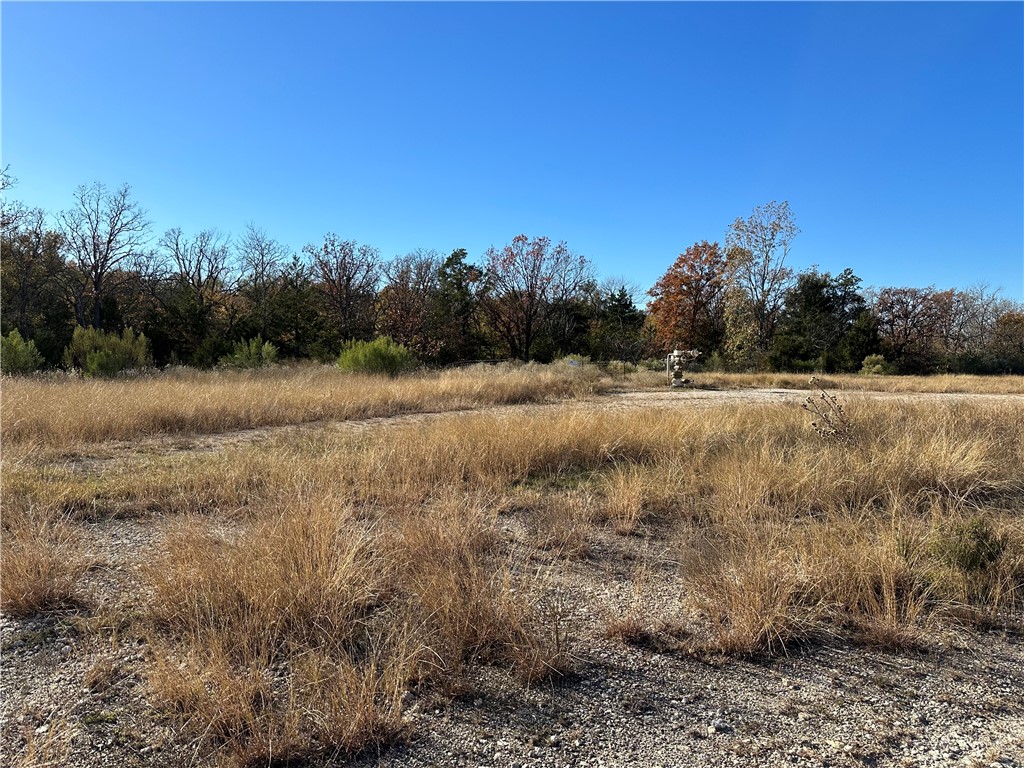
[
  {"x": 46, "y": 750},
  {"x": 299, "y": 637},
  {"x": 63, "y": 411},
  {"x": 41, "y": 563},
  {"x": 313, "y": 578},
  {"x": 848, "y": 382}
]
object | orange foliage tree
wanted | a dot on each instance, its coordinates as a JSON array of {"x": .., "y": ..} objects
[{"x": 687, "y": 309}]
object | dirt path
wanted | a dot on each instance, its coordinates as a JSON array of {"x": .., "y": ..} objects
[{"x": 95, "y": 456}]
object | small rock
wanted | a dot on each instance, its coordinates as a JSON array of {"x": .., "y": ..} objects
[
  {"x": 42, "y": 729},
  {"x": 720, "y": 726}
]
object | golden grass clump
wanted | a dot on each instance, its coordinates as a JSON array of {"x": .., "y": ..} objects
[
  {"x": 42, "y": 562},
  {"x": 299, "y": 636}
]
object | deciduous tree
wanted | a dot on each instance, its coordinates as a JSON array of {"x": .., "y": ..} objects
[
  {"x": 757, "y": 248},
  {"x": 261, "y": 259},
  {"x": 103, "y": 233},
  {"x": 526, "y": 279},
  {"x": 411, "y": 285},
  {"x": 347, "y": 274},
  {"x": 196, "y": 284},
  {"x": 688, "y": 300},
  {"x": 909, "y": 327}
]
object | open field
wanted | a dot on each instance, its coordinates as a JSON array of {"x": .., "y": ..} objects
[
  {"x": 509, "y": 566},
  {"x": 60, "y": 410}
]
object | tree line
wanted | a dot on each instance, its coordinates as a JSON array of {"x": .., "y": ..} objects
[
  {"x": 742, "y": 305},
  {"x": 197, "y": 295}
]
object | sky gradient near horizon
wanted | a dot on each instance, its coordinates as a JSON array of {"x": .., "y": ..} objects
[{"x": 894, "y": 130}]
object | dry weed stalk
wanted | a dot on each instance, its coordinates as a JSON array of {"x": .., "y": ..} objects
[{"x": 832, "y": 422}]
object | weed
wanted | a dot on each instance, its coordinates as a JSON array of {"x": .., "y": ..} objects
[{"x": 831, "y": 421}]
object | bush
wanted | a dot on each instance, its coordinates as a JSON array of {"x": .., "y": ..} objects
[
  {"x": 382, "y": 355},
  {"x": 98, "y": 353},
  {"x": 875, "y": 365},
  {"x": 18, "y": 355},
  {"x": 971, "y": 547},
  {"x": 254, "y": 353}
]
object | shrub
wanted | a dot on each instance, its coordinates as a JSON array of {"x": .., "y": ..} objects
[
  {"x": 254, "y": 353},
  {"x": 971, "y": 546},
  {"x": 382, "y": 355},
  {"x": 106, "y": 354},
  {"x": 875, "y": 365},
  {"x": 18, "y": 355}
]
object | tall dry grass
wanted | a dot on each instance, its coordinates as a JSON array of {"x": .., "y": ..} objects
[
  {"x": 64, "y": 411},
  {"x": 848, "y": 382},
  {"x": 299, "y": 637},
  {"x": 41, "y": 563},
  {"x": 365, "y": 564}
]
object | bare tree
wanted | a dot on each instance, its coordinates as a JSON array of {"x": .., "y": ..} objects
[
  {"x": 104, "y": 232},
  {"x": 757, "y": 248},
  {"x": 966, "y": 318},
  {"x": 261, "y": 260},
  {"x": 11, "y": 212},
  {"x": 202, "y": 263},
  {"x": 526, "y": 279},
  {"x": 348, "y": 274}
]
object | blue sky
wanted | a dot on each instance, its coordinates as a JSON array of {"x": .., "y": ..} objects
[{"x": 895, "y": 131}]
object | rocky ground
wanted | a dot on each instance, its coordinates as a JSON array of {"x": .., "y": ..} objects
[{"x": 73, "y": 691}]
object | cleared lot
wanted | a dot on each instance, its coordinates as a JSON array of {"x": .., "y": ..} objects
[{"x": 639, "y": 577}]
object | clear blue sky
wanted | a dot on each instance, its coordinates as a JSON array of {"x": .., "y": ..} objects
[{"x": 896, "y": 131}]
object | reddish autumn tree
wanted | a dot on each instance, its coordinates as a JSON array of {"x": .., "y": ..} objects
[
  {"x": 526, "y": 280},
  {"x": 688, "y": 300}
]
